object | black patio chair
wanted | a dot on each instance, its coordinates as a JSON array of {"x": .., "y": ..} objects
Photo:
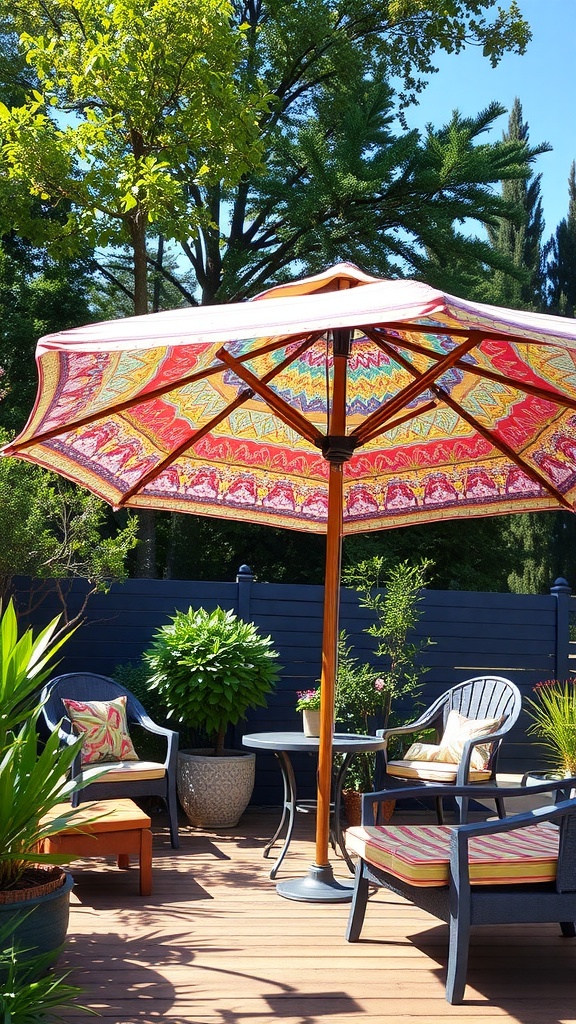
[
  {"x": 126, "y": 779},
  {"x": 528, "y": 876},
  {"x": 483, "y": 697}
]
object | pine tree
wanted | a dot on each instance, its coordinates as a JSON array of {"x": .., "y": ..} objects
[
  {"x": 520, "y": 240},
  {"x": 561, "y": 253}
]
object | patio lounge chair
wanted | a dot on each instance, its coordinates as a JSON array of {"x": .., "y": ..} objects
[
  {"x": 126, "y": 778},
  {"x": 517, "y": 870},
  {"x": 492, "y": 700}
]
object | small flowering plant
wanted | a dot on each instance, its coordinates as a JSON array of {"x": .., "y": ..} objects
[
  {"x": 308, "y": 700},
  {"x": 553, "y": 714}
]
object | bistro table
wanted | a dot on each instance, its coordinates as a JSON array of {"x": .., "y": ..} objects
[{"x": 282, "y": 744}]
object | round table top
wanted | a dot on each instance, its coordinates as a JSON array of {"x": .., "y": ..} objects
[{"x": 342, "y": 742}]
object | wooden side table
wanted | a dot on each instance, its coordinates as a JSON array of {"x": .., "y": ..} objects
[{"x": 121, "y": 829}]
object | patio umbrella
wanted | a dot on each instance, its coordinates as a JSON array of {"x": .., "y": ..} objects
[{"x": 339, "y": 403}]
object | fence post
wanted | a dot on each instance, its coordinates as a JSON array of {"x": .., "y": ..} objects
[
  {"x": 244, "y": 579},
  {"x": 562, "y": 591}
]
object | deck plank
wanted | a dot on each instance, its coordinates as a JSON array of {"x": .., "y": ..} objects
[{"x": 215, "y": 944}]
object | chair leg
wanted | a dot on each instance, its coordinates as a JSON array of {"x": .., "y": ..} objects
[
  {"x": 568, "y": 929},
  {"x": 172, "y": 805},
  {"x": 458, "y": 955},
  {"x": 500, "y": 808},
  {"x": 462, "y": 803},
  {"x": 358, "y": 907},
  {"x": 439, "y": 810}
]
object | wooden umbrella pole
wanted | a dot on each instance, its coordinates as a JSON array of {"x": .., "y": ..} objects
[
  {"x": 336, "y": 456},
  {"x": 329, "y": 660}
]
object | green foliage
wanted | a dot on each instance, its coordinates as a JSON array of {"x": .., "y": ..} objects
[
  {"x": 396, "y": 614},
  {"x": 210, "y": 668},
  {"x": 54, "y": 530},
  {"x": 553, "y": 715},
  {"x": 26, "y": 662},
  {"x": 522, "y": 285},
  {"x": 560, "y": 253},
  {"x": 308, "y": 700},
  {"x": 31, "y": 783},
  {"x": 368, "y": 697},
  {"x": 30, "y": 992},
  {"x": 128, "y": 121}
]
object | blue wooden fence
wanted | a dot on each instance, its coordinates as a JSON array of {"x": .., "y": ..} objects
[{"x": 523, "y": 637}]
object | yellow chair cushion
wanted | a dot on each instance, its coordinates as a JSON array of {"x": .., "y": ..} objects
[
  {"x": 125, "y": 771},
  {"x": 420, "y": 854},
  {"x": 433, "y": 771}
]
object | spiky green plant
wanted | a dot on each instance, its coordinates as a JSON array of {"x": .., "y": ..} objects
[
  {"x": 32, "y": 781},
  {"x": 553, "y": 715},
  {"x": 29, "y": 992},
  {"x": 26, "y": 662}
]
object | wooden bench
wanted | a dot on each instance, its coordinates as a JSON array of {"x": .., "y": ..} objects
[{"x": 120, "y": 829}]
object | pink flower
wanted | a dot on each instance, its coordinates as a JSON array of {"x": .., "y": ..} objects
[{"x": 379, "y": 684}]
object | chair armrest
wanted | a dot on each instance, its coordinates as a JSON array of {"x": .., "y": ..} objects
[
  {"x": 171, "y": 736},
  {"x": 488, "y": 791}
]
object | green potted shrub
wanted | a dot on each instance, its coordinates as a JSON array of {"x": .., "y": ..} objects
[
  {"x": 367, "y": 697},
  {"x": 210, "y": 668},
  {"x": 34, "y": 889}
]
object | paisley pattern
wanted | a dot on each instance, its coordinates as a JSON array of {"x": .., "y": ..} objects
[{"x": 145, "y": 412}]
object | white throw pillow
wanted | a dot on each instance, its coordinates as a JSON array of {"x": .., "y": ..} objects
[{"x": 458, "y": 730}]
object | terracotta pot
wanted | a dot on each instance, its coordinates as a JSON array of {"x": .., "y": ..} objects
[
  {"x": 311, "y": 723},
  {"x": 353, "y": 807}
]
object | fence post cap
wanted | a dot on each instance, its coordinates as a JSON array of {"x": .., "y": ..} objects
[
  {"x": 244, "y": 574},
  {"x": 561, "y": 586}
]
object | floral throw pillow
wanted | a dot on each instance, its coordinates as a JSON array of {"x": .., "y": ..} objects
[{"x": 104, "y": 729}]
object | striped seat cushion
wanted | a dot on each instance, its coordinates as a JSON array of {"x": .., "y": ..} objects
[
  {"x": 420, "y": 854},
  {"x": 433, "y": 771}
]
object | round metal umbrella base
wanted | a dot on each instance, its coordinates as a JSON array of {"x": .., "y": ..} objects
[{"x": 318, "y": 886}]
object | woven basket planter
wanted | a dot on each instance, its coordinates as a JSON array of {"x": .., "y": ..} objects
[
  {"x": 215, "y": 791},
  {"x": 39, "y": 913}
]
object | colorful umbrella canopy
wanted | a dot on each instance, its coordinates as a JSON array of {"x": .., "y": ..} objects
[{"x": 339, "y": 403}]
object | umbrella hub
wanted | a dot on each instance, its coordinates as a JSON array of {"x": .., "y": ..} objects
[{"x": 338, "y": 450}]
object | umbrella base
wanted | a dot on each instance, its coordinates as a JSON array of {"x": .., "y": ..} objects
[{"x": 319, "y": 886}]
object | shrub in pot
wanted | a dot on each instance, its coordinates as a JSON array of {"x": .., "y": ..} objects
[
  {"x": 34, "y": 890},
  {"x": 210, "y": 668}
]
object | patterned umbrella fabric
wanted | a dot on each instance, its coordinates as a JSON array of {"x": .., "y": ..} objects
[
  {"x": 451, "y": 408},
  {"x": 338, "y": 404}
]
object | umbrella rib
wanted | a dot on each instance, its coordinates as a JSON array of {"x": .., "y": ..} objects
[
  {"x": 175, "y": 453},
  {"x": 501, "y": 446},
  {"x": 411, "y": 391},
  {"x": 530, "y": 389},
  {"x": 504, "y": 448},
  {"x": 378, "y": 431},
  {"x": 285, "y": 412},
  {"x": 145, "y": 396}
]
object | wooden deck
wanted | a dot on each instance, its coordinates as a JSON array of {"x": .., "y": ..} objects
[{"x": 215, "y": 944}]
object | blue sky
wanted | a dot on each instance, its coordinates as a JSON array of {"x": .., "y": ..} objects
[{"x": 544, "y": 79}]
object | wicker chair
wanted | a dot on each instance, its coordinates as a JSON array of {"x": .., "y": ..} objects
[
  {"x": 127, "y": 779},
  {"x": 482, "y": 697},
  {"x": 437, "y": 870}
]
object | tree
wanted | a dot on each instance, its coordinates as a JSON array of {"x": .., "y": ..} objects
[
  {"x": 53, "y": 530},
  {"x": 561, "y": 255},
  {"x": 520, "y": 242},
  {"x": 140, "y": 102}
]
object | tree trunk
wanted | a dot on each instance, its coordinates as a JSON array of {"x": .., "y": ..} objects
[{"x": 146, "y": 550}]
